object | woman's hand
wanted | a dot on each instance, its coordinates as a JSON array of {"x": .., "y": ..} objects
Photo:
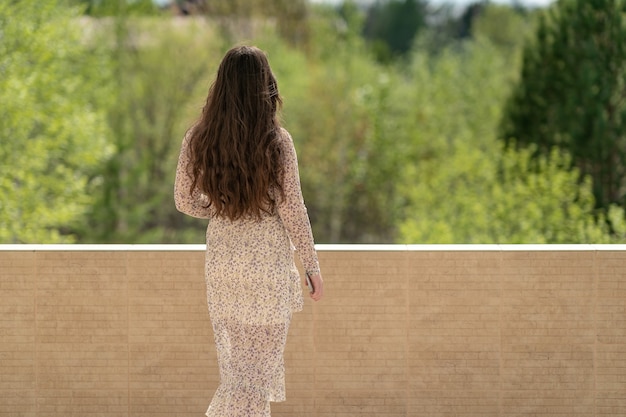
[{"x": 318, "y": 287}]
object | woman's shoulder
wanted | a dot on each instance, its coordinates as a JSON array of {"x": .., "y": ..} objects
[
  {"x": 284, "y": 138},
  {"x": 284, "y": 134}
]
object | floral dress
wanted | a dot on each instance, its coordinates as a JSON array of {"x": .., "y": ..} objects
[{"x": 253, "y": 287}]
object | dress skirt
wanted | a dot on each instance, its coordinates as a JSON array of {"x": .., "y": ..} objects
[{"x": 253, "y": 287}]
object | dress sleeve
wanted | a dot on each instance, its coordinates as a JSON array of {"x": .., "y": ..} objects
[
  {"x": 292, "y": 210},
  {"x": 194, "y": 204}
]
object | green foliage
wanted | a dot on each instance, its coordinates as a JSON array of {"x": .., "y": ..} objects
[
  {"x": 52, "y": 134},
  {"x": 505, "y": 27},
  {"x": 571, "y": 92},
  {"x": 337, "y": 108},
  {"x": 237, "y": 18},
  {"x": 507, "y": 198},
  {"x": 401, "y": 152},
  {"x": 463, "y": 187},
  {"x": 392, "y": 25},
  {"x": 100, "y": 8},
  {"x": 162, "y": 70}
]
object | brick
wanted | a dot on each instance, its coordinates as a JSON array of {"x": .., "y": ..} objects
[{"x": 401, "y": 333}]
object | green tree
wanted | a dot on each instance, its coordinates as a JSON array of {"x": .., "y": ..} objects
[
  {"x": 506, "y": 27},
  {"x": 392, "y": 25},
  {"x": 462, "y": 185},
  {"x": 101, "y": 8},
  {"x": 237, "y": 17},
  {"x": 338, "y": 109},
  {"x": 571, "y": 92},
  {"x": 52, "y": 132},
  {"x": 506, "y": 197},
  {"x": 161, "y": 76}
]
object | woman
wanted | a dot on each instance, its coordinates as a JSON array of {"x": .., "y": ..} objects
[{"x": 238, "y": 168}]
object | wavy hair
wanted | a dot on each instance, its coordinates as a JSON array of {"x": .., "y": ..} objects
[{"x": 234, "y": 153}]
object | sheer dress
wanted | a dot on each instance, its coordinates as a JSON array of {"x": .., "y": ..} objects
[{"x": 252, "y": 288}]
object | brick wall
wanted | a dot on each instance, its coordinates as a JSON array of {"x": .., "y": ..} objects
[{"x": 404, "y": 331}]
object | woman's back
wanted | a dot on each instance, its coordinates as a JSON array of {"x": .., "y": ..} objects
[
  {"x": 234, "y": 148},
  {"x": 241, "y": 173}
]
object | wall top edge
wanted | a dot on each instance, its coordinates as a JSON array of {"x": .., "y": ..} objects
[{"x": 319, "y": 247}]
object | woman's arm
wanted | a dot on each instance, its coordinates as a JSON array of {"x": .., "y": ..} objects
[
  {"x": 294, "y": 216},
  {"x": 194, "y": 204}
]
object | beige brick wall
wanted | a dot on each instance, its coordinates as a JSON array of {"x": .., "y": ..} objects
[{"x": 430, "y": 331}]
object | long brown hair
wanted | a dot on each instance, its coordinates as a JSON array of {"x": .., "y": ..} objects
[{"x": 234, "y": 154}]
